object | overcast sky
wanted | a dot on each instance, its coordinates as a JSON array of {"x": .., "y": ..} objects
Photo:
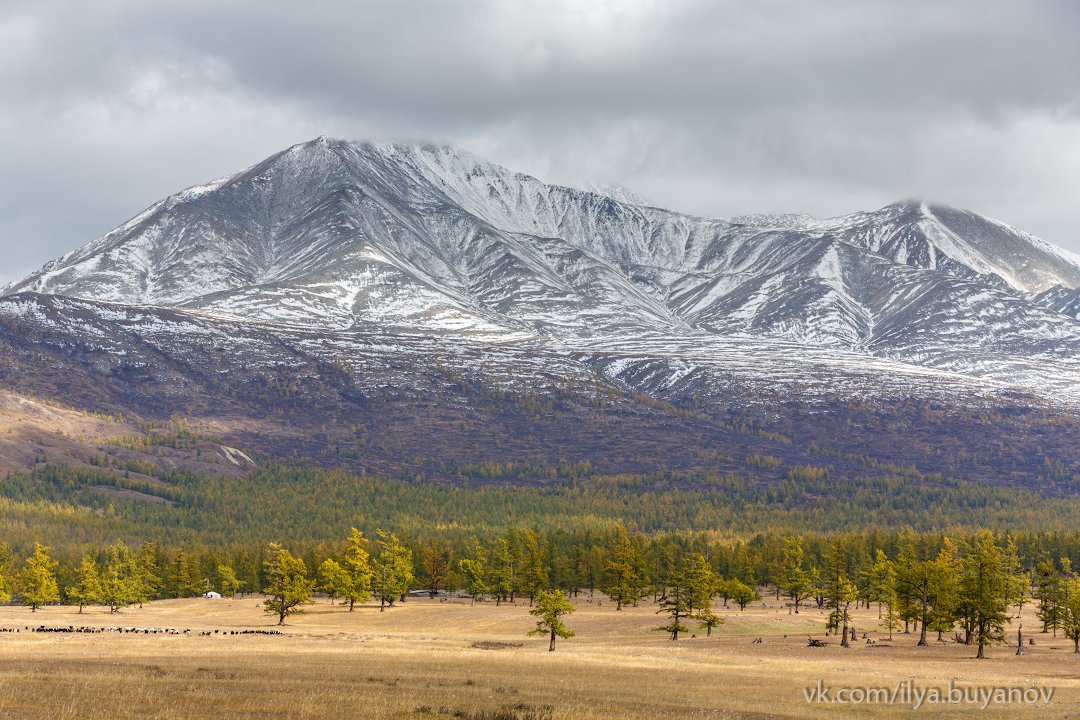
[{"x": 716, "y": 108}]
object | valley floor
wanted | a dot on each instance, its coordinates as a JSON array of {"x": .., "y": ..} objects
[{"x": 434, "y": 659}]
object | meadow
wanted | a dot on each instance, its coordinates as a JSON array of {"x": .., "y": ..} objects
[{"x": 435, "y": 658}]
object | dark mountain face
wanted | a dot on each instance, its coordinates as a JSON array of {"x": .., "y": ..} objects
[
  {"x": 427, "y": 406},
  {"x": 390, "y": 305}
]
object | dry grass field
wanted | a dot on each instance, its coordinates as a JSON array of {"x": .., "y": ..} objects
[{"x": 435, "y": 659}]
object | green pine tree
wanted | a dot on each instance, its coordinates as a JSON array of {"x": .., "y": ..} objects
[
  {"x": 475, "y": 571},
  {"x": 501, "y": 567},
  {"x": 120, "y": 581},
  {"x": 147, "y": 578},
  {"x": 86, "y": 590},
  {"x": 333, "y": 579},
  {"x": 703, "y": 584},
  {"x": 911, "y": 579},
  {"x": 621, "y": 580},
  {"x": 227, "y": 580},
  {"x": 357, "y": 564},
  {"x": 1071, "y": 615},
  {"x": 795, "y": 580},
  {"x": 881, "y": 588},
  {"x": 1018, "y": 586},
  {"x": 839, "y": 590},
  {"x": 535, "y": 569},
  {"x": 184, "y": 583},
  {"x": 551, "y": 607},
  {"x": 984, "y": 588},
  {"x": 676, "y": 602},
  {"x": 1048, "y": 594},
  {"x": 945, "y": 572},
  {"x": 287, "y": 584},
  {"x": 393, "y": 571},
  {"x": 738, "y": 591},
  {"x": 437, "y": 559},
  {"x": 37, "y": 579}
]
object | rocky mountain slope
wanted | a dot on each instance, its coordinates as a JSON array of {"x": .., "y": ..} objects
[{"x": 353, "y": 269}]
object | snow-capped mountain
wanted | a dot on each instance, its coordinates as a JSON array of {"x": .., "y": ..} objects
[
  {"x": 400, "y": 306},
  {"x": 430, "y": 239}
]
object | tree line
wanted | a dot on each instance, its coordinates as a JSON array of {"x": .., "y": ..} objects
[
  {"x": 970, "y": 586},
  {"x": 64, "y": 506}
]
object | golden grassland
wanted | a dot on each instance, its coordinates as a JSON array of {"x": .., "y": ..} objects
[{"x": 421, "y": 660}]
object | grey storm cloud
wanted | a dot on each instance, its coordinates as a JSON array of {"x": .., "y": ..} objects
[{"x": 717, "y": 108}]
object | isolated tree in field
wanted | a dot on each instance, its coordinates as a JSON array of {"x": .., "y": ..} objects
[
  {"x": 86, "y": 590},
  {"x": 676, "y": 603},
  {"x": 551, "y": 606},
  {"x": 120, "y": 581},
  {"x": 839, "y": 590},
  {"x": 741, "y": 593},
  {"x": 393, "y": 572},
  {"x": 357, "y": 563},
  {"x": 437, "y": 558},
  {"x": 37, "y": 579},
  {"x": 227, "y": 580},
  {"x": 622, "y": 581},
  {"x": 333, "y": 580},
  {"x": 708, "y": 620},
  {"x": 287, "y": 584},
  {"x": 795, "y": 580},
  {"x": 984, "y": 589}
]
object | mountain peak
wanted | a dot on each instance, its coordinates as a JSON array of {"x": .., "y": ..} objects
[{"x": 336, "y": 233}]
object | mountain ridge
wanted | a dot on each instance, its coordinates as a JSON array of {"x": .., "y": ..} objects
[
  {"x": 430, "y": 239},
  {"x": 409, "y": 308},
  {"x": 485, "y": 199}
]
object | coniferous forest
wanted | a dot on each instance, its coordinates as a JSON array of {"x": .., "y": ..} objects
[{"x": 969, "y": 557}]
